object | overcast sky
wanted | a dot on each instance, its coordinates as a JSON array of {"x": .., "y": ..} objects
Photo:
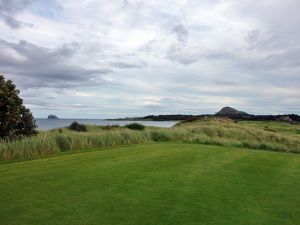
[{"x": 117, "y": 58}]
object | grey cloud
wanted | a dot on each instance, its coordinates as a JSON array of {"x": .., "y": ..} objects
[
  {"x": 275, "y": 61},
  {"x": 10, "y": 8},
  {"x": 261, "y": 55},
  {"x": 185, "y": 53},
  {"x": 181, "y": 33},
  {"x": 266, "y": 41},
  {"x": 279, "y": 50},
  {"x": 276, "y": 16},
  {"x": 277, "y": 37},
  {"x": 14, "y": 6},
  {"x": 148, "y": 14},
  {"x": 43, "y": 67},
  {"x": 13, "y": 23},
  {"x": 34, "y": 53},
  {"x": 125, "y": 3},
  {"x": 159, "y": 103},
  {"x": 153, "y": 106},
  {"x": 176, "y": 55},
  {"x": 150, "y": 46},
  {"x": 227, "y": 83},
  {"x": 188, "y": 55},
  {"x": 123, "y": 65},
  {"x": 178, "y": 51}
]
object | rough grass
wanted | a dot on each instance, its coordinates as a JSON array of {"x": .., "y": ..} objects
[
  {"x": 223, "y": 132},
  {"x": 158, "y": 184},
  {"x": 228, "y": 133},
  {"x": 275, "y": 126},
  {"x": 49, "y": 143},
  {"x": 29, "y": 148}
]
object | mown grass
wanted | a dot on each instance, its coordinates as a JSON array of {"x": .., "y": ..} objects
[
  {"x": 156, "y": 184},
  {"x": 221, "y": 132}
]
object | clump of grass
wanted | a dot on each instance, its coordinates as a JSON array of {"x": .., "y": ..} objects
[
  {"x": 63, "y": 142},
  {"x": 135, "y": 126},
  {"x": 110, "y": 127},
  {"x": 28, "y": 148},
  {"x": 160, "y": 136},
  {"x": 79, "y": 141},
  {"x": 53, "y": 142}
]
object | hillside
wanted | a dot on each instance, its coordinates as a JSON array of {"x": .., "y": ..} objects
[
  {"x": 226, "y": 132},
  {"x": 228, "y": 111}
]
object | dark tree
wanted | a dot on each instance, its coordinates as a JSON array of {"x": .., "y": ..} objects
[{"x": 15, "y": 119}]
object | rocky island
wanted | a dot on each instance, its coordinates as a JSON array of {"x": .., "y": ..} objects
[{"x": 52, "y": 117}]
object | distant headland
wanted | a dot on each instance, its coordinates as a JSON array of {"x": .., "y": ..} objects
[{"x": 228, "y": 112}]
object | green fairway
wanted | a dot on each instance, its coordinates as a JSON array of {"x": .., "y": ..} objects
[{"x": 157, "y": 184}]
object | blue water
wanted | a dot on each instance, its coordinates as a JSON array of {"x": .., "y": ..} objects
[{"x": 47, "y": 124}]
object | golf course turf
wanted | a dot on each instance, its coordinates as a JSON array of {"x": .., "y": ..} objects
[{"x": 157, "y": 184}]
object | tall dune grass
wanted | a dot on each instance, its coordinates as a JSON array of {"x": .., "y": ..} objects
[
  {"x": 28, "y": 148},
  {"x": 49, "y": 143},
  {"x": 210, "y": 131}
]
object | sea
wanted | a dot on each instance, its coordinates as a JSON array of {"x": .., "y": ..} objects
[{"x": 48, "y": 124}]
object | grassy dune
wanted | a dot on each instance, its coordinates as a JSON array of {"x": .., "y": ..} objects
[
  {"x": 221, "y": 132},
  {"x": 228, "y": 133},
  {"x": 153, "y": 184}
]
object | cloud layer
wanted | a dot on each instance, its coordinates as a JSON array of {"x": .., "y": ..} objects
[{"x": 100, "y": 59}]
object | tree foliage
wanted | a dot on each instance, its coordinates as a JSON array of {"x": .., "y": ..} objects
[{"x": 15, "y": 119}]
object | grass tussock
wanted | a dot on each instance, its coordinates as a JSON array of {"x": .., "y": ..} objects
[
  {"x": 29, "y": 148},
  {"x": 223, "y": 132}
]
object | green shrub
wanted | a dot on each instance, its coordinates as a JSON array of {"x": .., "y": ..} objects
[
  {"x": 77, "y": 127},
  {"x": 135, "y": 126}
]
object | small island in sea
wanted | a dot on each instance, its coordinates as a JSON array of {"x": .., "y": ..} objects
[{"x": 52, "y": 117}]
